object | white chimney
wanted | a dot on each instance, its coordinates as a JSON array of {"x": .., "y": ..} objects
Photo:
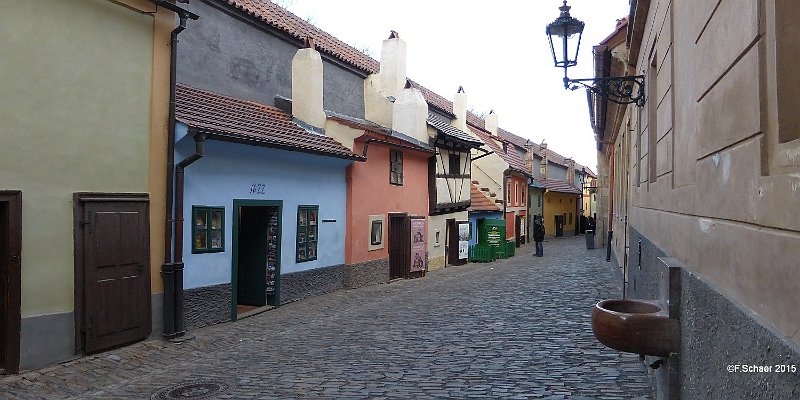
[
  {"x": 307, "y": 86},
  {"x": 490, "y": 123},
  {"x": 570, "y": 170},
  {"x": 460, "y": 109},
  {"x": 393, "y": 65},
  {"x": 543, "y": 164},
  {"x": 410, "y": 114}
]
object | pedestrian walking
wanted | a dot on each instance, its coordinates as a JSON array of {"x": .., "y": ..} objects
[{"x": 538, "y": 235}]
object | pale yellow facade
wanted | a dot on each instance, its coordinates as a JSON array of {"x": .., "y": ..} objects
[
  {"x": 84, "y": 105},
  {"x": 709, "y": 168}
]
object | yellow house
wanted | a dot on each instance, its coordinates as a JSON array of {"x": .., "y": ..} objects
[
  {"x": 84, "y": 104},
  {"x": 560, "y": 207}
]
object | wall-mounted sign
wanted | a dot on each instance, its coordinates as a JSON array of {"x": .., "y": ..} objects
[
  {"x": 258, "y": 188},
  {"x": 463, "y": 240},
  {"x": 418, "y": 245}
]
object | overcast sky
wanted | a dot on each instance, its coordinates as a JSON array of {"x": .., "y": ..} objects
[{"x": 497, "y": 50}]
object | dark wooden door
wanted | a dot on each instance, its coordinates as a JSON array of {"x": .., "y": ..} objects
[
  {"x": 399, "y": 246},
  {"x": 10, "y": 275},
  {"x": 559, "y": 225},
  {"x": 116, "y": 279},
  {"x": 518, "y": 230},
  {"x": 451, "y": 242},
  {"x": 251, "y": 288}
]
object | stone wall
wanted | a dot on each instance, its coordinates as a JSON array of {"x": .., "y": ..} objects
[{"x": 207, "y": 305}]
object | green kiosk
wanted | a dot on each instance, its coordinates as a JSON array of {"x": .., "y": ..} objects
[{"x": 492, "y": 243}]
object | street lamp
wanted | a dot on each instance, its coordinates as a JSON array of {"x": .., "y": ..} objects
[{"x": 565, "y": 41}]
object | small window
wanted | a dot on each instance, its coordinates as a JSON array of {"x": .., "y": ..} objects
[
  {"x": 508, "y": 192},
  {"x": 455, "y": 163},
  {"x": 307, "y": 233},
  {"x": 436, "y": 238},
  {"x": 375, "y": 232},
  {"x": 208, "y": 229},
  {"x": 539, "y": 201},
  {"x": 395, "y": 167}
]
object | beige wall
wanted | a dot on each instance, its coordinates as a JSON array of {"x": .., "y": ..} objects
[
  {"x": 714, "y": 172},
  {"x": 76, "y": 110}
]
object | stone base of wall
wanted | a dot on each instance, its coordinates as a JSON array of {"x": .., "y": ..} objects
[
  {"x": 207, "y": 305},
  {"x": 367, "y": 273},
  {"x": 435, "y": 263},
  {"x": 715, "y": 332},
  {"x": 300, "y": 285}
]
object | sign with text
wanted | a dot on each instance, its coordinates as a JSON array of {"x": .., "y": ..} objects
[
  {"x": 463, "y": 240},
  {"x": 419, "y": 261}
]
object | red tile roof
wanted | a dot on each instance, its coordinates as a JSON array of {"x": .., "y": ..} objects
[
  {"x": 511, "y": 157},
  {"x": 479, "y": 201},
  {"x": 555, "y": 185},
  {"x": 242, "y": 120},
  {"x": 280, "y": 18}
]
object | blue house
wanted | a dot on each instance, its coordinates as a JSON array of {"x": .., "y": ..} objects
[{"x": 264, "y": 204}]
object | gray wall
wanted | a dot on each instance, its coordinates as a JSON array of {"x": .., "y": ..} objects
[
  {"x": 715, "y": 332},
  {"x": 555, "y": 171},
  {"x": 228, "y": 54}
]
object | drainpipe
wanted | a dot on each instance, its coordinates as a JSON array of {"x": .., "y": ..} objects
[
  {"x": 610, "y": 206},
  {"x": 168, "y": 268},
  {"x": 199, "y": 141}
]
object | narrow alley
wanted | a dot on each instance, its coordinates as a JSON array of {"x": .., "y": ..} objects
[{"x": 515, "y": 328}]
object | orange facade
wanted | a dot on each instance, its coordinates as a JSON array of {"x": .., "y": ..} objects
[{"x": 370, "y": 193}]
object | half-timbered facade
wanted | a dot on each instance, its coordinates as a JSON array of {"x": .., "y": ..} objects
[{"x": 449, "y": 176}]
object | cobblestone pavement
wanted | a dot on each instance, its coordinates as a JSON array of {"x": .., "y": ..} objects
[{"x": 517, "y": 328}]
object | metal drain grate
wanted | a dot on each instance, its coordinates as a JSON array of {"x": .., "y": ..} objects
[{"x": 195, "y": 389}]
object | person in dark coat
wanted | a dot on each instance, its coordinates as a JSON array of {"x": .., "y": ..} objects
[{"x": 538, "y": 235}]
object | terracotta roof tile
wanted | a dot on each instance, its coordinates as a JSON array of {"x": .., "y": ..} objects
[
  {"x": 370, "y": 126},
  {"x": 280, "y": 18},
  {"x": 555, "y": 185},
  {"x": 243, "y": 120},
  {"x": 479, "y": 201},
  {"x": 511, "y": 157}
]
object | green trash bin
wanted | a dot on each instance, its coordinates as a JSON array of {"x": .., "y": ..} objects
[
  {"x": 481, "y": 253},
  {"x": 492, "y": 232},
  {"x": 511, "y": 247}
]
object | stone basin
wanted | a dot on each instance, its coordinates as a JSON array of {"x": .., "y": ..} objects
[{"x": 635, "y": 326}]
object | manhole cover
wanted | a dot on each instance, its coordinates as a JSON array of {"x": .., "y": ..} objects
[{"x": 196, "y": 389}]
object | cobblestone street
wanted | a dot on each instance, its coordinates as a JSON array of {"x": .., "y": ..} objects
[{"x": 516, "y": 328}]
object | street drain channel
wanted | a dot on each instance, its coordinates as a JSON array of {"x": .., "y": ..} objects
[{"x": 195, "y": 389}]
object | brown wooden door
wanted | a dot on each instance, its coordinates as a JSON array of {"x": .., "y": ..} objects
[
  {"x": 116, "y": 280},
  {"x": 399, "y": 246},
  {"x": 10, "y": 275}
]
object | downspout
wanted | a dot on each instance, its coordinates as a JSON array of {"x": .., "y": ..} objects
[
  {"x": 199, "y": 141},
  {"x": 168, "y": 268},
  {"x": 610, "y": 205}
]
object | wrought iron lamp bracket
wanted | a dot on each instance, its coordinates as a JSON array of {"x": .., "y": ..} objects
[{"x": 620, "y": 90}]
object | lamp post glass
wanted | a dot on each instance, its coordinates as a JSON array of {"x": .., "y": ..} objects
[{"x": 565, "y": 38}]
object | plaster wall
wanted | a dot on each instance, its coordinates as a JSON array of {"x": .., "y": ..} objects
[
  {"x": 228, "y": 171},
  {"x": 370, "y": 193},
  {"x": 722, "y": 197},
  {"x": 438, "y": 223},
  {"x": 559, "y": 204},
  {"x": 233, "y": 54},
  {"x": 57, "y": 145}
]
